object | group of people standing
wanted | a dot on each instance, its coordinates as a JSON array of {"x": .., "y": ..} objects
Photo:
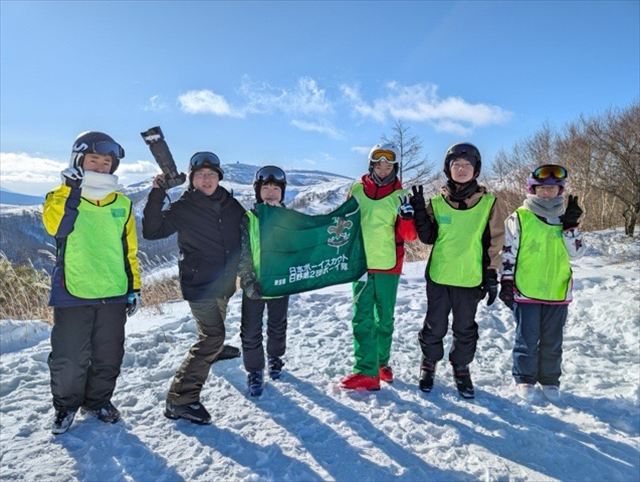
[{"x": 96, "y": 281}]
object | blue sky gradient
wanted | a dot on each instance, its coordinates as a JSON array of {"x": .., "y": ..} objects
[{"x": 308, "y": 84}]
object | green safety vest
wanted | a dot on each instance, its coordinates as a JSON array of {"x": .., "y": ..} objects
[
  {"x": 543, "y": 269},
  {"x": 94, "y": 258},
  {"x": 456, "y": 257},
  {"x": 378, "y": 221}
]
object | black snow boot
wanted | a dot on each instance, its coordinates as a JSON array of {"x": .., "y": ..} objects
[
  {"x": 62, "y": 421},
  {"x": 275, "y": 364},
  {"x": 108, "y": 413},
  {"x": 427, "y": 374},
  {"x": 462, "y": 377},
  {"x": 194, "y": 412},
  {"x": 228, "y": 352},
  {"x": 255, "y": 383}
]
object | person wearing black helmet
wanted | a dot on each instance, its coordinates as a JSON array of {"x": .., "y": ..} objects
[
  {"x": 465, "y": 224},
  {"x": 269, "y": 184},
  {"x": 207, "y": 219},
  {"x": 95, "y": 282}
]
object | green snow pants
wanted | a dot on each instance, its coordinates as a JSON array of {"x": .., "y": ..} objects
[{"x": 374, "y": 302}]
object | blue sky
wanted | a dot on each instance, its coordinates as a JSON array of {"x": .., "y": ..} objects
[{"x": 309, "y": 85}]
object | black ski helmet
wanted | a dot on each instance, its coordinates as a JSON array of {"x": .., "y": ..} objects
[
  {"x": 466, "y": 151},
  {"x": 93, "y": 142},
  {"x": 204, "y": 159},
  {"x": 268, "y": 174}
]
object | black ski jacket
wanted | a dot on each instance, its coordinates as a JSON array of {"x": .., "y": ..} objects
[{"x": 208, "y": 230}]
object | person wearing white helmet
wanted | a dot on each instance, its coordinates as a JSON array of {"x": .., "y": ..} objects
[
  {"x": 387, "y": 222},
  {"x": 95, "y": 282}
]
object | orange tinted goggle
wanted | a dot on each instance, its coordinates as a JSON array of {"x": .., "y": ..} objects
[{"x": 383, "y": 155}]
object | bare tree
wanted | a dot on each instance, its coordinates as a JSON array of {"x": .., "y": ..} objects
[
  {"x": 615, "y": 140},
  {"x": 415, "y": 167}
]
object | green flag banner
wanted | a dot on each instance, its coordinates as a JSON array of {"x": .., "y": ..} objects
[{"x": 300, "y": 253}]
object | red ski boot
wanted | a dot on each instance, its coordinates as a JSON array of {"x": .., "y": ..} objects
[{"x": 358, "y": 381}]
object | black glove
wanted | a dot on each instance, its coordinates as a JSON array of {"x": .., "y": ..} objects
[
  {"x": 72, "y": 176},
  {"x": 417, "y": 198},
  {"x": 571, "y": 214},
  {"x": 253, "y": 290},
  {"x": 405, "y": 210},
  {"x": 490, "y": 286},
  {"x": 506, "y": 292}
]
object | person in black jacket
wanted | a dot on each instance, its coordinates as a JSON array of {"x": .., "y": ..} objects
[{"x": 208, "y": 222}]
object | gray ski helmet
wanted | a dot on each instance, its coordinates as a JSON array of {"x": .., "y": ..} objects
[
  {"x": 466, "y": 151},
  {"x": 268, "y": 174},
  {"x": 93, "y": 142}
]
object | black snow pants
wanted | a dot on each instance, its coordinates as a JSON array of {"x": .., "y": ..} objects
[
  {"x": 442, "y": 300},
  {"x": 251, "y": 330},
  {"x": 87, "y": 346}
]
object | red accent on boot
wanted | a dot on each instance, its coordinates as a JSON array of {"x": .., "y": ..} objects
[
  {"x": 386, "y": 374},
  {"x": 358, "y": 381}
]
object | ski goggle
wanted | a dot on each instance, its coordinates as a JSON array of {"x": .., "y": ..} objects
[
  {"x": 271, "y": 174},
  {"x": 105, "y": 148},
  {"x": 204, "y": 159},
  {"x": 383, "y": 155},
  {"x": 549, "y": 171}
]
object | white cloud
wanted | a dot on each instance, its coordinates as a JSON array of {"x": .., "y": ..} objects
[
  {"x": 132, "y": 172},
  {"x": 155, "y": 104},
  {"x": 361, "y": 149},
  {"x": 206, "y": 102},
  {"x": 323, "y": 128},
  {"x": 421, "y": 103},
  {"x": 305, "y": 98},
  {"x": 27, "y": 174}
]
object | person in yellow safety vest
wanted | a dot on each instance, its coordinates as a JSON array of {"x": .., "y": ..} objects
[
  {"x": 95, "y": 282},
  {"x": 540, "y": 238},
  {"x": 387, "y": 222},
  {"x": 465, "y": 224}
]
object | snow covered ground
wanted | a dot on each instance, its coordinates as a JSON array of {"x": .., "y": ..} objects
[{"x": 305, "y": 428}]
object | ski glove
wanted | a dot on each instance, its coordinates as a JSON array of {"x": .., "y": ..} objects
[
  {"x": 134, "y": 302},
  {"x": 490, "y": 286},
  {"x": 506, "y": 292},
  {"x": 571, "y": 214},
  {"x": 253, "y": 290},
  {"x": 417, "y": 198},
  {"x": 72, "y": 176},
  {"x": 405, "y": 210}
]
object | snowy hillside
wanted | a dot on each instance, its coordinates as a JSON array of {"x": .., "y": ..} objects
[
  {"x": 23, "y": 238},
  {"x": 305, "y": 428}
]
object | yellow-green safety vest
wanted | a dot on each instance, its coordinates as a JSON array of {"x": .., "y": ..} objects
[
  {"x": 543, "y": 269},
  {"x": 456, "y": 257},
  {"x": 94, "y": 258},
  {"x": 378, "y": 221}
]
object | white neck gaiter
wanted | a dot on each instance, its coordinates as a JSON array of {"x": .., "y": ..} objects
[{"x": 97, "y": 186}]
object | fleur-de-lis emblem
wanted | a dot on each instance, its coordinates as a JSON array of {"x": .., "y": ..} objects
[{"x": 339, "y": 232}]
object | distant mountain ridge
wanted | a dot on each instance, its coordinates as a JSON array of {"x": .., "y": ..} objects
[
  {"x": 23, "y": 238},
  {"x": 18, "y": 199}
]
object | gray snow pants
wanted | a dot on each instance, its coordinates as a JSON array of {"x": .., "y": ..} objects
[
  {"x": 87, "y": 346},
  {"x": 190, "y": 377},
  {"x": 251, "y": 330}
]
